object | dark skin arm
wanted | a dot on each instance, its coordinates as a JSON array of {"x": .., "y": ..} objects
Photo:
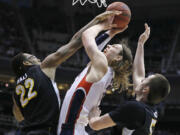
[{"x": 50, "y": 63}]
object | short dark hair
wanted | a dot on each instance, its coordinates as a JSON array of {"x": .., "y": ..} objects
[
  {"x": 17, "y": 64},
  {"x": 159, "y": 89}
]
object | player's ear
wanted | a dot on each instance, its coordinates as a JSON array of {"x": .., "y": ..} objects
[
  {"x": 27, "y": 63},
  {"x": 146, "y": 90},
  {"x": 118, "y": 58}
]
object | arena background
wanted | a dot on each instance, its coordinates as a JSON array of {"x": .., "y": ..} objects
[{"x": 41, "y": 26}]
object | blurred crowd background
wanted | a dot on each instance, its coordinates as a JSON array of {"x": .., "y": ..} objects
[{"x": 40, "y": 27}]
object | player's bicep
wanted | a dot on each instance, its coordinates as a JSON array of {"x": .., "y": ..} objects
[
  {"x": 98, "y": 59},
  {"x": 102, "y": 122}
]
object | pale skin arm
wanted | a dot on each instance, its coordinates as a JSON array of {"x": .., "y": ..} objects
[
  {"x": 98, "y": 123},
  {"x": 99, "y": 62},
  {"x": 138, "y": 65},
  {"x": 115, "y": 31},
  {"x": 50, "y": 63}
]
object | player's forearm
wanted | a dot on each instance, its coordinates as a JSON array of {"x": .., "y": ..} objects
[
  {"x": 93, "y": 31},
  {"x": 98, "y": 123},
  {"x": 79, "y": 33},
  {"x": 66, "y": 51},
  {"x": 16, "y": 112},
  {"x": 63, "y": 53},
  {"x": 138, "y": 65},
  {"x": 93, "y": 125},
  {"x": 90, "y": 34}
]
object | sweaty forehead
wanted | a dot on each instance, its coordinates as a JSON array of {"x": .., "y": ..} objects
[
  {"x": 118, "y": 47},
  {"x": 28, "y": 56}
]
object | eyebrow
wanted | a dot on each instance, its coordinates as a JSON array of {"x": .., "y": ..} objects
[
  {"x": 115, "y": 46},
  {"x": 31, "y": 57}
]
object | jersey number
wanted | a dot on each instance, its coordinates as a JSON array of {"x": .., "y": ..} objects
[
  {"x": 21, "y": 90},
  {"x": 153, "y": 123}
]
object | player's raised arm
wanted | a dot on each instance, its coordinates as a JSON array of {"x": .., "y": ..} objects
[
  {"x": 64, "y": 52},
  {"x": 50, "y": 63},
  {"x": 138, "y": 65},
  {"x": 98, "y": 59}
]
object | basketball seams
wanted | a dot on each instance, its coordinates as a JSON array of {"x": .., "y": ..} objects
[{"x": 124, "y": 18}]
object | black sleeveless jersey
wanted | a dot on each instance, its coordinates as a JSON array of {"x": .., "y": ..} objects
[
  {"x": 37, "y": 99},
  {"x": 135, "y": 118}
]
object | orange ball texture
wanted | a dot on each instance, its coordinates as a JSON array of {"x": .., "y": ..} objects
[{"x": 124, "y": 18}]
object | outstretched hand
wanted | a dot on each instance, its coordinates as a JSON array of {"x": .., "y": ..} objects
[
  {"x": 107, "y": 14},
  {"x": 106, "y": 20},
  {"x": 144, "y": 36},
  {"x": 117, "y": 30}
]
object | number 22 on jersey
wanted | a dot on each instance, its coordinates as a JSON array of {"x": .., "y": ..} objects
[{"x": 21, "y": 90}]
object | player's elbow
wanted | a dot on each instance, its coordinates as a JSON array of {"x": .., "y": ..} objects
[{"x": 87, "y": 33}]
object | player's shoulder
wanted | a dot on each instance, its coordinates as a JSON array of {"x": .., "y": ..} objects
[
  {"x": 130, "y": 112},
  {"x": 131, "y": 106},
  {"x": 135, "y": 104},
  {"x": 142, "y": 107}
]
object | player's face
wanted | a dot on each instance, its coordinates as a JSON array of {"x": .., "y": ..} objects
[
  {"x": 144, "y": 84},
  {"x": 113, "y": 51},
  {"x": 33, "y": 60}
]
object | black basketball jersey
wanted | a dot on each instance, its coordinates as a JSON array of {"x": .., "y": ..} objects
[
  {"x": 151, "y": 116},
  {"x": 37, "y": 99},
  {"x": 135, "y": 118}
]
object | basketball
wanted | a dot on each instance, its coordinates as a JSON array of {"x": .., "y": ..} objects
[{"x": 123, "y": 19}]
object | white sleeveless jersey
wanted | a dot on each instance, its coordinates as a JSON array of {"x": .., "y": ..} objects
[{"x": 93, "y": 95}]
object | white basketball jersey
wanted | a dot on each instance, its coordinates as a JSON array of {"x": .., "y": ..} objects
[{"x": 93, "y": 95}]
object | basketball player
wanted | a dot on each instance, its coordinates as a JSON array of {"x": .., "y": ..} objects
[
  {"x": 88, "y": 88},
  {"x": 137, "y": 117},
  {"x": 36, "y": 97}
]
